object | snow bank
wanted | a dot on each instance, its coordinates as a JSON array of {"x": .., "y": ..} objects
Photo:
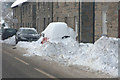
[
  {"x": 101, "y": 56},
  {"x": 10, "y": 40}
]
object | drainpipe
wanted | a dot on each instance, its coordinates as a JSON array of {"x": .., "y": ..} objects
[
  {"x": 104, "y": 21},
  {"x": 79, "y": 23},
  {"x": 21, "y": 16},
  {"x": 52, "y": 11},
  {"x": 93, "y": 22}
]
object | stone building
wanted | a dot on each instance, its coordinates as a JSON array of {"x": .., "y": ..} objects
[
  {"x": 25, "y": 15},
  {"x": 106, "y": 19},
  {"x": 77, "y": 15},
  {"x": 44, "y": 15},
  {"x": 66, "y": 12},
  {"x": 90, "y": 20}
]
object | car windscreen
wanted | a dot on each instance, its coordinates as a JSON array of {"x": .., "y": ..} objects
[
  {"x": 29, "y": 31},
  {"x": 10, "y": 30}
]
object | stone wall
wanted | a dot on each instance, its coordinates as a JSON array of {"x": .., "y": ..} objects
[
  {"x": 44, "y": 15},
  {"x": 66, "y": 12},
  {"x": 112, "y": 19},
  {"x": 40, "y": 14},
  {"x": 24, "y": 16}
]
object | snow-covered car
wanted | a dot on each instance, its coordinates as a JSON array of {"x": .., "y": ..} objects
[
  {"x": 27, "y": 34},
  {"x": 57, "y": 31}
]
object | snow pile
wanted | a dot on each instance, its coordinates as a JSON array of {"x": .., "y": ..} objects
[
  {"x": 10, "y": 41},
  {"x": 101, "y": 56},
  {"x": 104, "y": 55},
  {"x": 47, "y": 49}
]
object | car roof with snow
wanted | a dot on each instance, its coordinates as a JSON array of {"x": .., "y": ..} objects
[
  {"x": 57, "y": 30},
  {"x": 27, "y": 28}
]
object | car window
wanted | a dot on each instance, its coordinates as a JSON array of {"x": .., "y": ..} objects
[
  {"x": 10, "y": 30},
  {"x": 29, "y": 31}
]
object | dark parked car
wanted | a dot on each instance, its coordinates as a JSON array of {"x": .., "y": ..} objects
[
  {"x": 27, "y": 34},
  {"x": 8, "y": 32}
]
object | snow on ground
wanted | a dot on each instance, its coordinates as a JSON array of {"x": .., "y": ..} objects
[
  {"x": 10, "y": 41},
  {"x": 100, "y": 56}
]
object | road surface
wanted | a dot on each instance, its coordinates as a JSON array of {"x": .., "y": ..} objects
[{"x": 15, "y": 65}]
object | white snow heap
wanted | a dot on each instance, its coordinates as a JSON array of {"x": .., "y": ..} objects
[
  {"x": 101, "y": 56},
  {"x": 57, "y": 30},
  {"x": 25, "y": 28},
  {"x": 18, "y": 2},
  {"x": 104, "y": 55},
  {"x": 10, "y": 40}
]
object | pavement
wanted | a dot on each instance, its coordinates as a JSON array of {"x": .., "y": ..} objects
[{"x": 15, "y": 65}]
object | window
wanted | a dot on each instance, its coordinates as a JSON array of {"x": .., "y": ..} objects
[
  {"x": 26, "y": 8},
  {"x": 75, "y": 3},
  {"x": 38, "y": 5},
  {"x": 15, "y": 13},
  {"x": 43, "y": 4},
  {"x": 23, "y": 10},
  {"x": 57, "y": 19},
  {"x": 44, "y": 23},
  {"x": 65, "y": 2},
  {"x": 65, "y": 19},
  {"x": 38, "y": 23},
  {"x": 13, "y": 24},
  {"x": 48, "y": 5},
  {"x": 57, "y": 5},
  {"x": 23, "y": 24},
  {"x": 20, "y": 25},
  {"x": 48, "y": 21},
  {"x": 29, "y": 9},
  {"x": 28, "y": 25}
]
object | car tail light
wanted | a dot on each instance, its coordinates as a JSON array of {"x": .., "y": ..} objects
[{"x": 45, "y": 39}]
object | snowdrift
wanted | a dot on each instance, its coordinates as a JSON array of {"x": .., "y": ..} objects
[
  {"x": 101, "y": 56},
  {"x": 10, "y": 40}
]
